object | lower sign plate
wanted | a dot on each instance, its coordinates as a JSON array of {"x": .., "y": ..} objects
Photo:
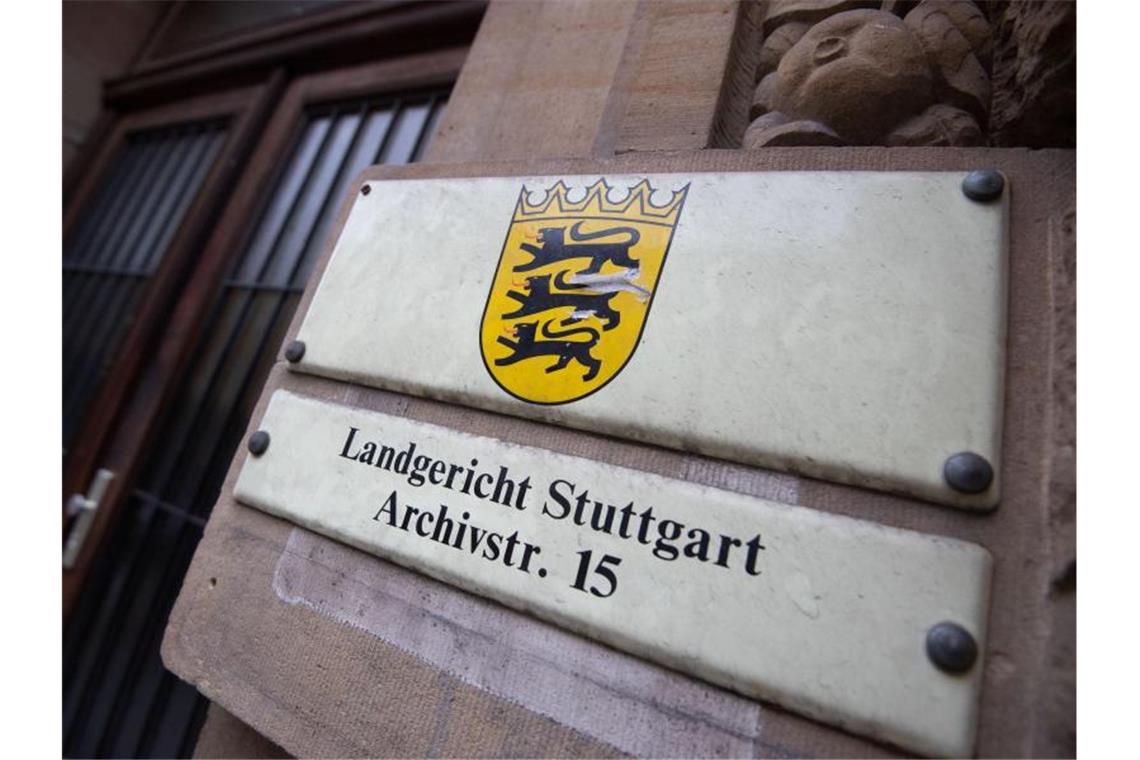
[
  {"x": 843, "y": 325},
  {"x": 822, "y": 614}
]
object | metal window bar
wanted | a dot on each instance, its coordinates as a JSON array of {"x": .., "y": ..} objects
[
  {"x": 119, "y": 242},
  {"x": 108, "y": 245},
  {"x": 144, "y": 242},
  {"x": 89, "y": 341},
  {"x": 119, "y": 699},
  {"x": 93, "y": 247}
]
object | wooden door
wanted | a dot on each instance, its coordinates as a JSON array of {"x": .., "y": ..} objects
[
  {"x": 190, "y": 404},
  {"x": 135, "y": 228}
]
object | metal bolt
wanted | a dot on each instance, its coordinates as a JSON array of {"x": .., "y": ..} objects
[
  {"x": 951, "y": 647},
  {"x": 967, "y": 472},
  {"x": 294, "y": 351},
  {"x": 258, "y": 443},
  {"x": 366, "y": 189},
  {"x": 983, "y": 185}
]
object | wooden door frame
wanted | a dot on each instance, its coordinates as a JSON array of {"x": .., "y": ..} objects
[
  {"x": 344, "y": 35},
  {"x": 128, "y": 429},
  {"x": 234, "y": 105},
  {"x": 245, "y": 109}
]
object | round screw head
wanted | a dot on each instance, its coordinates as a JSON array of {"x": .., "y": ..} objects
[
  {"x": 967, "y": 472},
  {"x": 983, "y": 185},
  {"x": 365, "y": 189},
  {"x": 258, "y": 443},
  {"x": 951, "y": 647},
  {"x": 294, "y": 351}
]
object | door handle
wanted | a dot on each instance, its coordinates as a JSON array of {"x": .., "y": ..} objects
[{"x": 83, "y": 509}]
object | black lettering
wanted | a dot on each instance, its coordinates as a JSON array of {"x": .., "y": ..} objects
[
  {"x": 470, "y": 474},
  {"x": 477, "y": 536},
  {"x": 668, "y": 531},
  {"x": 442, "y": 526},
  {"x": 419, "y": 464},
  {"x": 754, "y": 546},
  {"x": 626, "y": 516},
  {"x": 462, "y": 529},
  {"x": 384, "y": 461},
  {"x": 528, "y": 550},
  {"x": 455, "y": 470},
  {"x": 512, "y": 542},
  {"x": 420, "y": 529},
  {"x": 404, "y": 458},
  {"x": 409, "y": 512},
  {"x": 563, "y": 501},
  {"x": 501, "y": 484},
  {"x": 389, "y": 507},
  {"x": 435, "y": 475},
  {"x": 479, "y": 487},
  {"x": 367, "y": 452},
  {"x": 597, "y": 523},
  {"x": 601, "y": 569},
  {"x": 698, "y": 545},
  {"x": 524, "y": 486},
  {"x": 348, "y": 443},
  {"x": 643, "y": 529},
  {"x": 580, "y": 507},
  {"x": 493, "y": 540},
  {"x": 726, "y": 544}
]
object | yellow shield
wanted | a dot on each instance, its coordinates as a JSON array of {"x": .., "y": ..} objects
[{"x": 573, "y": 289}]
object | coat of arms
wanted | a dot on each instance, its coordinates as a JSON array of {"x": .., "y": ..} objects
[{"x": 573, "y": 289}]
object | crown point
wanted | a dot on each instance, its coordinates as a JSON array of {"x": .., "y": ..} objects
[{"x": 596, "y": 200}]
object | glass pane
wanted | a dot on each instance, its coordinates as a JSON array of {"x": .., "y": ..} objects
[
  {"x": 307, "y": 209},
  {"x": 121, "y": 237},
  {"x": 409, "y": 126},
  {"x": 282, "y": 197}
]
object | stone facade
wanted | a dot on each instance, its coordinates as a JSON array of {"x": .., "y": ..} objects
[
  {"x": 861, "y": 72},
  {"x": 1035, "y": 75}
]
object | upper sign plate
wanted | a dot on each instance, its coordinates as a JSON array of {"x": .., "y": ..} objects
[{"x": 846, "y": 325}]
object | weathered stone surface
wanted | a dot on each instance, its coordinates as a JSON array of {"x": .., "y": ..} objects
[
  {"x": 777, "y": 44},
  {"x": 940, "y": 124},
  {"x": 781, "y": 12},
  {"x": 867, "y": 76},
  {"x": 762, "y": 123},
  {"x": 1035, "y": 76},
  {"x": 951, "y": 34},
  {"x": 898, "y": 7},
  {"x": 1060, "y": 707},
  {"x": 772, "y": 130},
  {"x": 762, "y": 97},
  {"x": 970, "y": 20},
  {"x": 859, "y": 72}
]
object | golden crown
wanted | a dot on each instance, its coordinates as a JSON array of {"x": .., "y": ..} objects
[{"x": 636, "y": 206}]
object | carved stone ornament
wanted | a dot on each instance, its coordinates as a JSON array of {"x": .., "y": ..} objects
[{"x": 840, "y": 73}]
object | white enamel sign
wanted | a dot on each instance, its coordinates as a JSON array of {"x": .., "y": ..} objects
[
  {"x": 822, "y": 614},
  {"x": 843, "y": 325}
]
